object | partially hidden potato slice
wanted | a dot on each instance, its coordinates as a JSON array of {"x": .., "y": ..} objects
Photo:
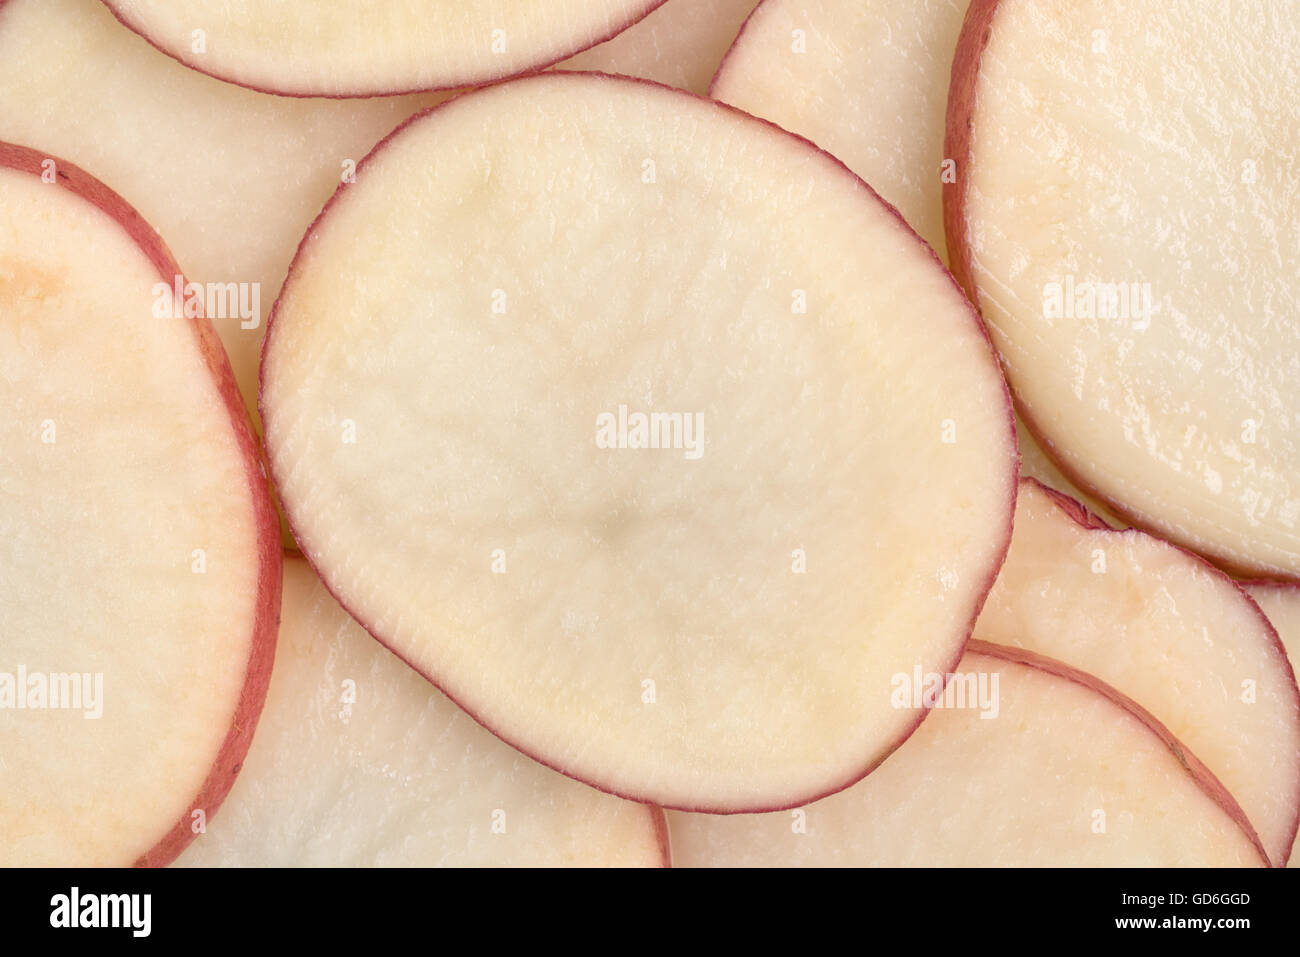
[
  {"x": 1280, "y": 601},
  {"x": 1038, "y": 765},
  {"x": 1124, "y": 217},
  {"x": 359, "y": 762},
  {"x": 702, "y": 609},
  {"x": 139, "y": 561},
  {"x": 363, "y": 48},
  {"x": 680, "y": 43},
  {"x": 865, "y": 79},
  {"x": 1168, "y": 630}
]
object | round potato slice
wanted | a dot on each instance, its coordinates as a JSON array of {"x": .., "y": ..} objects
[
  {"x": 646, "y": 431},
  {"x": 1125, "y": 215},
  {"x": 139, "y": 554},
  {"x": 363, "y": 48}
]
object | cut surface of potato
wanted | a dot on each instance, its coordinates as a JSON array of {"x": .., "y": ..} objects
[
  {"x": 1061, "y": 774},
  {"x": 363, "y": 48},
  {"x": 702, "y": 609},
  {"x": 139, "y": 561},
  {"x": 1168, "y": 630},
  {"x": 866, "y": 80},
  {"x": 1127, "y": 218},
  {"x": 358, "y": 762}
]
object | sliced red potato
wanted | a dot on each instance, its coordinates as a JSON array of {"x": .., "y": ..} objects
[
  {"x": 866, "y": 80},
  {"x": 1125, "y": 217},
  {"x": 140, "y": 567},
  {"x": 1041, "y": 766},
  {"x": 702, "y": 610},
  {"x": 1280, "y": 601},
  {"x": 360, "y": 48},
  {"x": 1166, "y": 629},
  {"x": 680, "y": 43},
  {"x": 358, "y": 762}
]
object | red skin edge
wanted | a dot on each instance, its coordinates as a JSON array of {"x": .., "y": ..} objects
[
  {"x": 1013, "y": 462},
  {"x": 468, "y": 81},
  {"x": 1204, "y": 778},
  {"x": 662, "y": 835},
  {"x": 1088, "y": 521},
  {"x": 229, "y": 758},
  {"x": 971, "y": 43}
]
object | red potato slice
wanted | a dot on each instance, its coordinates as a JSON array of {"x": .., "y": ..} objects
[
  {"x": 358, "y": 762},
  {"x": 866, "y": 80},
  {"x": 1066, "y": 773},
  {"x": 139, "y": 564},
  {"x": 307, "y": 48},
  {"x": 1280, "y": 601},
  {"x": 359, "y": 48},
  {"x": 1125, "y": 218},
  {"x": 680, "y": 43},
  {"x": 1169, "y": 631},
  {"x": 712, "y": 623}
]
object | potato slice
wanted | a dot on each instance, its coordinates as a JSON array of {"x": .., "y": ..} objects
[
  {"x": 139, "y": 556},
  {"x": 361, "y": 48},
  {"x": 1125, "y": 217},
  {"x": 704, "y": 611}
]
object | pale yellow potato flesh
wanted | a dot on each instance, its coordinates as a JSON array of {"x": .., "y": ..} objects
[
  {"x": 680, "y": 43},
  {"x": 1062, "y": 776},
  {"x": 1281, "y": 603},
  {"x": 865, "y": 79},
  {"x": 363, "y": 48},
  {"x": 716, "y": 631},
  {"x": 128, "y": 542},
  {"x": 1164, "y": 628},
  {"x": 359, "y": 762},
  {"x": 1149, "y": 145}
]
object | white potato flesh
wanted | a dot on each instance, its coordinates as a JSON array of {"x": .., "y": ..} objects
[
  {"x": 865, "y": 79},
  {"x": 1166, "y": 629},
  {"x": 1132, "y": 220},
  {"x": 1060, "y": 775},
  {"x": 359, "y": 762},
  {"x": 138, "y": 565},
  {"x": 363, "y": 48},
  {"x": 712, "y": 625},
  {"x": 1281, "y": 603},
  {"x": 680, "y": 43}
]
